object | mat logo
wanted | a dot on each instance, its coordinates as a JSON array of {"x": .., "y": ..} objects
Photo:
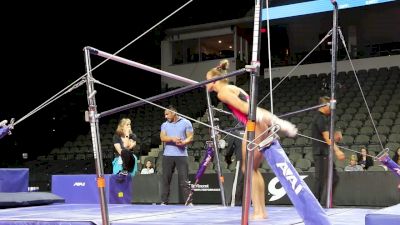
[
  {"x": 79, "y": 184},
  {"x": 288, "y": 173},
  {"x": 278, "y": 193}
]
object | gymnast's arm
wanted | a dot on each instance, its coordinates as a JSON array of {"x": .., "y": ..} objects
[{"x": 339, "y": 154}]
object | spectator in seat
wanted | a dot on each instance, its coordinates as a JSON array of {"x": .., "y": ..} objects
[
  {"x": 364, "y": 160},
  {"x": 148, "y": 169},
  {"x": 353, "y": 166},
  {"x": 124, "y": 142}
]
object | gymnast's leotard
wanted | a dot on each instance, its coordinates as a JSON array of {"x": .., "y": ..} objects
[{"x": 238, "y": 114}]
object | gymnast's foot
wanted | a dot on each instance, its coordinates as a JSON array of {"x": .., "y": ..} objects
[
  {"x": 287, "y": 127},
  {"x": 261, "y": 216}
]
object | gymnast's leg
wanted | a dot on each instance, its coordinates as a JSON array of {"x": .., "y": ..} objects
[{"x": 258, "y": 184}]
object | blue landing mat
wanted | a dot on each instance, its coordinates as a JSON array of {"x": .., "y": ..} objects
[
  {"x": 386, "y": 216},
  {"x": 89, "y": 214}
]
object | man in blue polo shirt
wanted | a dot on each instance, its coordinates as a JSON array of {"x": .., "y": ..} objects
[{"x": 176, "y": 133}]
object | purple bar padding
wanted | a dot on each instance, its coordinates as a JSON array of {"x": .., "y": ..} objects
[
  {"x": 82, "y": 188},
  {"x": 300, "y": 195},
  {"x": 14, "y": 179},
  {"x": 4, "y": 131},
  {"x": 203, "y": 165},
  {"x": 120, "y": 189},
  {"x": 386, "y": 216},
  {"x": 390, "y": 164}
]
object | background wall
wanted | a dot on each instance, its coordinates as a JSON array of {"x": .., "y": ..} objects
[{"x": 353, "y": 189}]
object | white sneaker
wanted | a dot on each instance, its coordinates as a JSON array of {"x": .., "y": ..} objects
[
  {"x": 190, "y": 204},
  {"x": 287, "y": 127},
  {"x": 3, "y": 123}
]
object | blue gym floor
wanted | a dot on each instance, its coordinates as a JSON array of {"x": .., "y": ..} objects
[{"x": 89, "y": 214}]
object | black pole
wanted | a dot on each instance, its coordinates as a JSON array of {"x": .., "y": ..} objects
[
  {"x": 251, "y": 123},
  {"x": 215, "y": 146},
  {"x": 332, "y": 103},
  {"x": 94, "y": 129}
]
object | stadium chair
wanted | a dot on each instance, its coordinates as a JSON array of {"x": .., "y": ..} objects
[
  {"x": 295, "y": 156},
  {"x": 301, "y": 142},
  {"x": 395, "y": 129},
  {"x": 223, "y": 164},
  {"x": 339, "y": 111},
  {"x": 385, "y": 130},
  {"x": 395, "y": 138},
  {"x": 392, "y": 108},
  {"x": 356, "y": 124},
  {"x": 296, "y": 149},
  {"x": 385, "y": 95},
  {"x": 386, "y": 122},
  {"x": 389, "y": 115},
  {"x": 394, "y": 70},
  {"x": 232, "y": 164},
  {"x": 351, "y": 110},
  {"x": 295, "y": 120},
  {"x": 368, "y": 123},
  {"x": 341, "y": 124},
  {"x": 287, "y": 142},
  {"x": 383, "y": 71},
  {"x": 347, "y": 140},
  {"x": 352, "y": 131},
  {"x": 346, "y": 117},
  {"x": 193, "y": 166},
  {"x": 376, "y": 116},
  {"x": 360, "y": 116},
  {"x": 378, "y": 109},
  {"x": 311, "y": 169},
  {"x": 303, "y": 164},
  {"x": 362, "y": 139},
  {"x": 374, "y": 148},
  {"x": 309, "y": 156},
  {"x": 306, "y": 119},
  {"x": 378, "y": 104},
  {"x": 375, "y": 139},
  {"x": 363, "y": 109}
]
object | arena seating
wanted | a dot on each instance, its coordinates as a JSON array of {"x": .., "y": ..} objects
[{"x": 380, "y": 87}]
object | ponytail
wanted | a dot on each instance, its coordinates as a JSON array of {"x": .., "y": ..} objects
[
  {"x": 223, "y": 66},
  {"x": 219, "y": 70}
]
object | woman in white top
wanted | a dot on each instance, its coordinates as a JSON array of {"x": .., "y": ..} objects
[{"x": 148, "y": 169}]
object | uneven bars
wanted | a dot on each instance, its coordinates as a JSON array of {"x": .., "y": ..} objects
[{"x": 139, "y": 65}]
